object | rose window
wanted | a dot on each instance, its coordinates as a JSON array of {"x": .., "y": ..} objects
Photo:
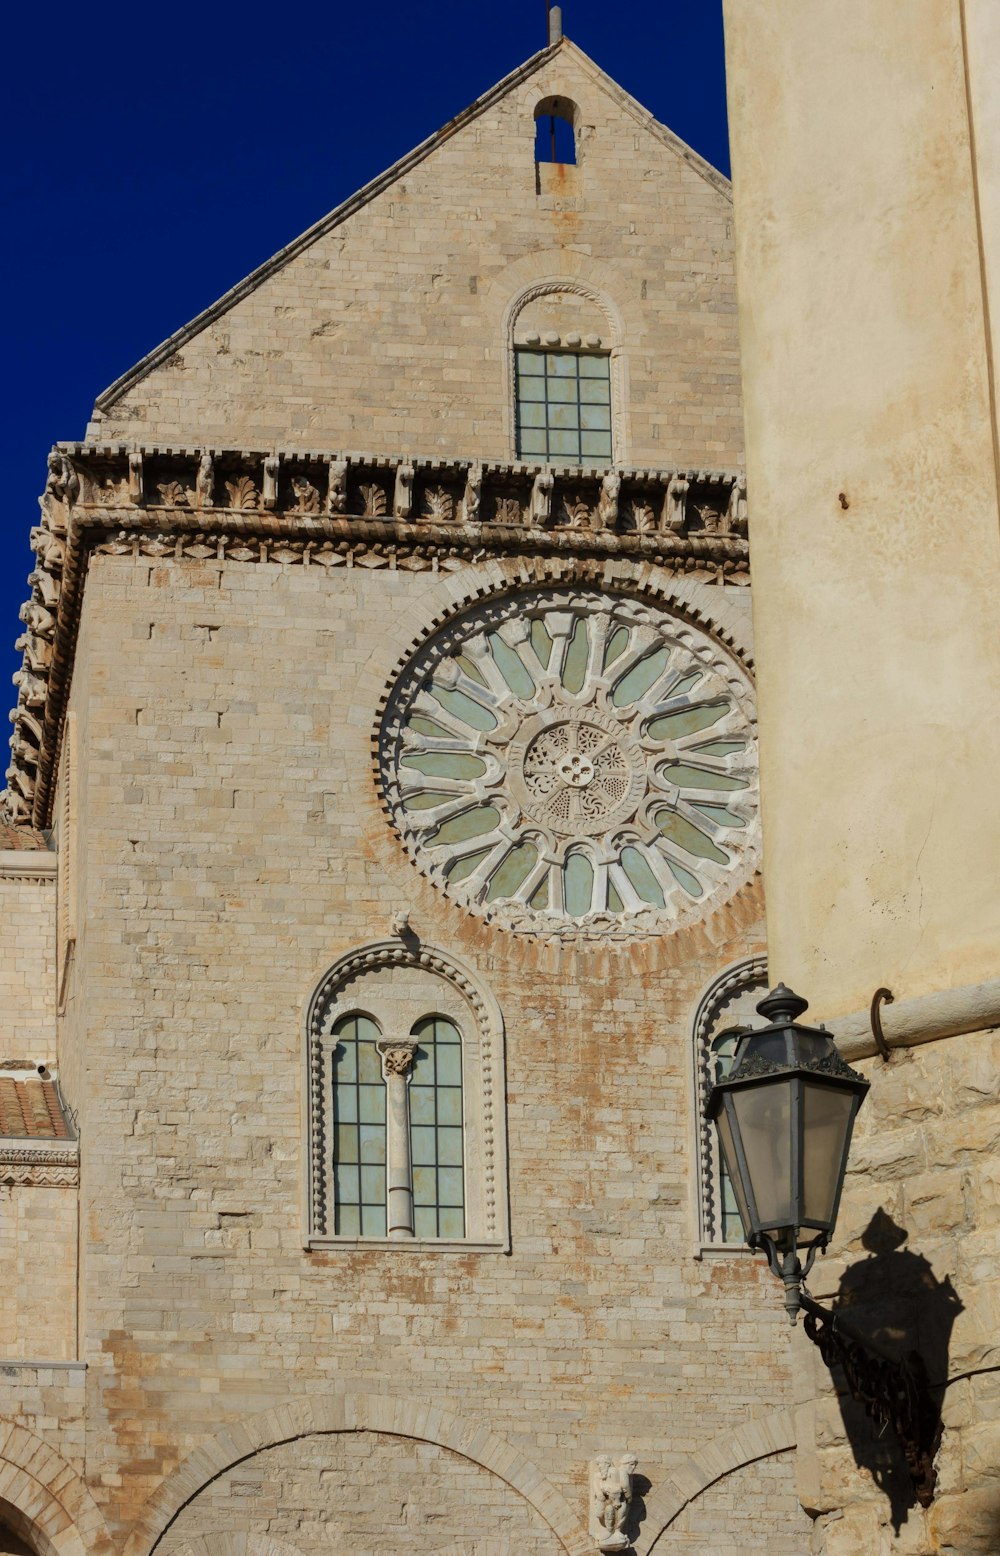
[{"x": 575, "y": 762}]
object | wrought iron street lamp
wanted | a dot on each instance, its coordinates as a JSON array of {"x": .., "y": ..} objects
[{"x": 785, "y": 1114}]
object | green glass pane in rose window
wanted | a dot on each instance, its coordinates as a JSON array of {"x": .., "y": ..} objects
[
  {"x": 687, "y": 776},
  {"x": 637, "y": 868},
  {"x": 578, "y": 885},
  {"x": 637, "y": 681},
  {"x": 470, "y": 824},
  {"x": 681, "y": 831},
  {"x": 511, "y": 667},
  {"x": 513, "y": 872},
  {"x": 445, "y": 764},
  {"x": 464, "y": 707},
  {"x": 687, "y": 721}
]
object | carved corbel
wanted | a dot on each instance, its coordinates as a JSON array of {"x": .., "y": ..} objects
[
  {"x": 675, "y": 505},
  {"x": 20, "y": 717},
  {"x": 31, "y": 689},
  {"x": 402, "y": 497},
  {"x": 38, "y": 619},
  {"x": 336, "y": 492},
  {"x": 736, "y": 516},
  {"x": 46, "y": 587},
  {"x": 37, "y": 652},
  {"x": 541, "y": 499},
  {"x": 62, "y": 484},
  {"x": 49, "y": 548},
  {"x": 135, "y": 493},
  {"x": 270, "y": 485},
  {"x": 473, "y": 494},
  {"x": 16, "y": 808},
  {"x": 607, "y": 506}
]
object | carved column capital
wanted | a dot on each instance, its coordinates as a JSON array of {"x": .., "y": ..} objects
[{"x": 396, "y": 1054}]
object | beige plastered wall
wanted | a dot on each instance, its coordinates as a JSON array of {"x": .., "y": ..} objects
[{"x": 868, "y": 221}]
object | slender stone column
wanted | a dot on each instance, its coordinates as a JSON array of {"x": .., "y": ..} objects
[{"x": 397, "y": 1066}]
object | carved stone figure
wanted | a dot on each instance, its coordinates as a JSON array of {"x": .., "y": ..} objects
[
  {"x": 607, "y": 507},
  {"x": 135, "y": 477},
  {"x": 306, "y": 495},
  {"x": 37, "y": 652},
  {"x": 31, "y": 688},
  {"x": 270, "y": 496},
  {"x": 336, "y": 494},
  {"x": 473, "y": 493},
  {"x": 541, "y": 498},
  {"x": 611, "y": 1500},
  {"x": 711, "y": 518},
  {"x": 38, "y": 619},
  {"x": 204, "y": 481},
  {"x": 49, "y": 548},
  {"x": 62, "y": 482},
  {"x": 675, "y": 507},
  {"x": 45, "y": 586},
  {"x": 737, "y": 515},
  {"x": 402, "y": 497}
]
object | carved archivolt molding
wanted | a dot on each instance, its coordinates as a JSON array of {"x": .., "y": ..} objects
[
  {"x": 329, "y": 510},
  {"x": 334, "y": 996},
  {"x": 574, "y": 762}
]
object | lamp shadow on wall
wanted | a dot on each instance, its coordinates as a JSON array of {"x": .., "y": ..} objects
[{"x": 894, "y": 1300}]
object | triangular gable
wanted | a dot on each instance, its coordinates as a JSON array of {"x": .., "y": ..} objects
[{"x": 383, "y": 181}]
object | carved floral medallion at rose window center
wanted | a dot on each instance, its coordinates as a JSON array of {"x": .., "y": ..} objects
[{"x": 574, "y": 762}]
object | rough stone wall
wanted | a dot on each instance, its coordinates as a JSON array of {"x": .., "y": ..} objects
[
  {"x": 736, "y": 1515},
  {"x": 48, "y": 1402},
  {"x": 235, "y": 847},
  {"x": 365, "y": 1492},
  {"x": 38, "y": 1258},
  {"x": 387, "y": 333},
  {"x": 27, "y": 958},
  {"x": 917, "y": 1268}
]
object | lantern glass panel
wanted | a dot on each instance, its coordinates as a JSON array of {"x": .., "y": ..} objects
[
  {"x": 764, "y": 1120},
  {"x": 732, "y": 1166},
  {"x": 826, "y": 1120}
]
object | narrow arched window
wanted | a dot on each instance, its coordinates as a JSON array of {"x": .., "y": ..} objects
[
  {"x": 436, "y": 1130},
  {"x": 726, "y": 1010},
  {"x": 555, "y": 137},
  {"x": 723, "y": 1051},
  {"x": 359, "y": 1130}
]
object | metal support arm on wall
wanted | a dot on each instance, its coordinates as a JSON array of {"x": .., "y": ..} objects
[{"x": 893, "y": 1392}]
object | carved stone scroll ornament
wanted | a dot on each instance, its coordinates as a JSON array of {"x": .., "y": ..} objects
[{"x": 611, "y": 1493}]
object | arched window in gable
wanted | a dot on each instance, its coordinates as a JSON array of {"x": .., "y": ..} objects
[
  {"x": 555, "y": 131},
  {"x": 567, "y": 376}
]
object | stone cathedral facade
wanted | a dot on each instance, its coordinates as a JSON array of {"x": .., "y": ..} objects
[{"x": 382, "y": 892}]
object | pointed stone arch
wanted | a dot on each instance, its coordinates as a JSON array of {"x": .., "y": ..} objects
[
  {"x": 43, "y": 1499},
  {"x": 473, "y": 1440}
]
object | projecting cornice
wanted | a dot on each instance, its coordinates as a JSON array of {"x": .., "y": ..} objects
[{"x": 315, "y": 509}]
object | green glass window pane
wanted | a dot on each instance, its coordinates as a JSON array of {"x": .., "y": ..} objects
[
  {"x": 541, "y": 642},
  {"x": 595, "y": 391},
  {"x": 562, "y": 391},
  {"x": 722, "y": 747},
  {"x": 372, "y": 1102},
  {"x": 465, "y": 708},
  {"x": 373, "y": 1220},
  {"x": 565, "y": 443},
  {"x": 345, "y": 1062},
  {"x": 511, "y": 667},
  {"x": 425, "y": 1221},
  {"x": 593, "y": 367},
  {"x": 578, "y": 885},
  {"x": 451, "y": 1223},
  {"x": 450, "y": 1147},
  {"x": 423, "y": 1146},
  {"x": 615, "y": 904},
  {"x": 515, "y": 869},
  {"x": 465, "y": 866},
  {"x": 470, "y": 824},
  {"x": 449, "y": 1105},
  {"x": 470, "y": 667},
  {"x": 575, "y": 664},
  {"x": 561, "y": 364},
  {"x": 539, "y": 899},
  {"x": 449, "y": 1065},
  {"x": 348, "y": 1221},
  {"x": 372, "y": 1143},
  {"x": 531, "y": 362},
  {"x": 426, "y": 799},
  {"x": 424, "y": 1186},
  {"x": 687, "y": 721},
  {"x": 690, "y": 777},
  {"x": 445, "y": 764},
  {"x": 347, "y": 1180},
  {"x": 446, "y": 1031},
  {"x": 637, "y": 868},
  {"x": 424, "y": 1065},
  {"x": 451, "y": 1188},
  {"x": 687, "y": 836},
  {"x": 530, "y": 413},
  {"x": 425, "y": 726},
  {"x": 345, "y": 1104},
  {"x": 531, "y": 391},
  {"x": 532, "y": 443},
  {"x": 345, "y": 1142},
  {"x": 369, "y": 1064},
  {"x": 684, "y": 877},
  {"x": 372, "y": 1185},
  {"x": 595, "y": 418},
  {"x": 595, "y": 445},
  {"x": 720, "y": 815},
  {"x": 637, "y": 681},
  {"x": 616, "y": 645},
  {"x": 564, "y": 418},
  {"x": 421, "y": 1104}
]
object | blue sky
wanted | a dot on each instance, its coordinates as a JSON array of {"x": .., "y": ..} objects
[{"x": 156, "y": 155}]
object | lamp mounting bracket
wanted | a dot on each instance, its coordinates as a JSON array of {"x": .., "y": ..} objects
[{"x": 879, "y": 998}]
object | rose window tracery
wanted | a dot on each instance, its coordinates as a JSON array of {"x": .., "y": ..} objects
[{"x": 573, "y": 762}]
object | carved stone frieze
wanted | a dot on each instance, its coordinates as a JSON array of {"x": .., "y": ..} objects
[{"x": 330, "y": 510}]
